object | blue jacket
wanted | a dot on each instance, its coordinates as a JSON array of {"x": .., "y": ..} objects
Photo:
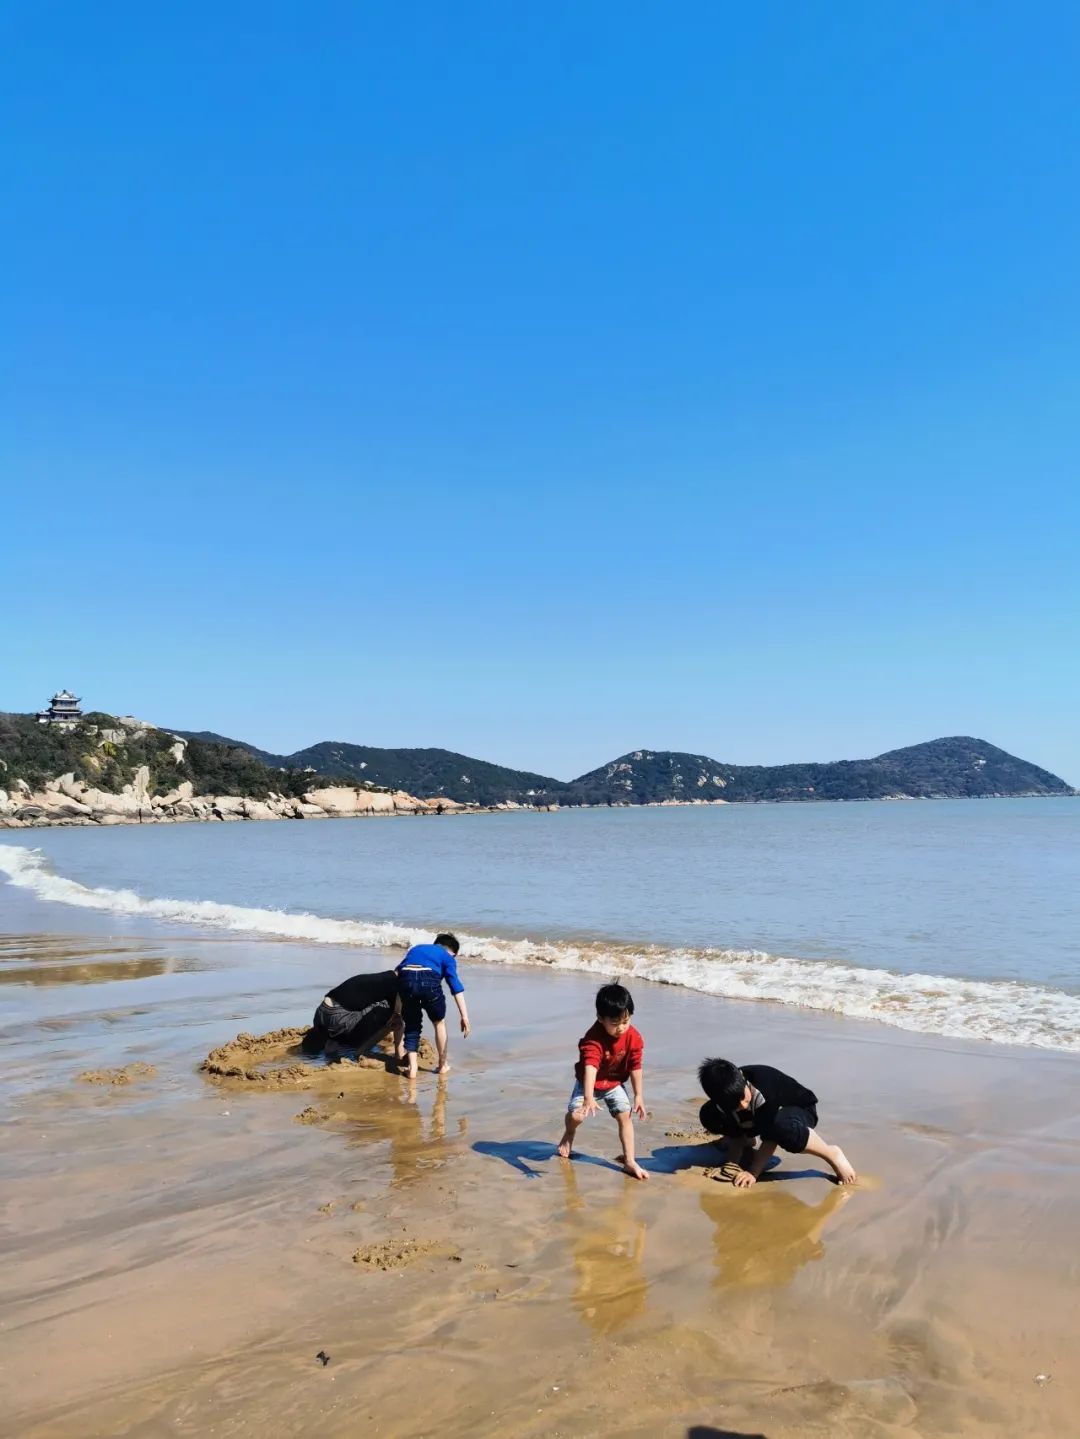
[{"x": 440, "y": 961}]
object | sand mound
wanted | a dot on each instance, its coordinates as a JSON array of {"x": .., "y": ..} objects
[
  {"x": 399, "y": 1253},
  {"x": 130, "y": 1072},
  {"x": 264, "y": 1060}
]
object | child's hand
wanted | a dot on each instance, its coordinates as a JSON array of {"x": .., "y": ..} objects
[
  {"x": 638, "y": 1109},
  {"x": 589, "y": 1108},
  {"x": 744, "y": 1179},
  {"x": 465, "y": 1027}
]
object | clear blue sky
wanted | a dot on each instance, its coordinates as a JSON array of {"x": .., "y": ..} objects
[{"x": 546, "y": 380}]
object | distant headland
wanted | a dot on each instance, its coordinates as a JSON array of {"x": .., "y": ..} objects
[{"x": 61, "y": 766}]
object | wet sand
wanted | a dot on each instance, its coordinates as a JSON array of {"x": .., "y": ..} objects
[{"x": 180, "y": 1249}]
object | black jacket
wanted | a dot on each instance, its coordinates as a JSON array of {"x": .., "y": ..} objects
[
  {"x": 776, "y": 1088},
  {"x": 360, "y": 992}
]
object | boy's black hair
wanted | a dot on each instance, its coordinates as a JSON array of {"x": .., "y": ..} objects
[
  {"x": 613, "y": 1001},
  {"x": 448, "y": 941},
  {"x": 723, "y": 1082}
]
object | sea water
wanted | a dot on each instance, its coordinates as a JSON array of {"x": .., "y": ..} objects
[{"x": 952, "y": 917}]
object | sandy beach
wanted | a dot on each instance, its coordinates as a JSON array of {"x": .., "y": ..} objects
[{"x": 181, "y": 1248}]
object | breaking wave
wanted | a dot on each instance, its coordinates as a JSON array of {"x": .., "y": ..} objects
[{"x": 1001, "y": 1011}]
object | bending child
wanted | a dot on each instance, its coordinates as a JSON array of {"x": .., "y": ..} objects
[
  {"x": 420, "y": 984},
  {"x": 759, "y": 1102},
  {"x": 609, "y": 1055}
]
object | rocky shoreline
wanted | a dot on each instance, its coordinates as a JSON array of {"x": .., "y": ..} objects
[{"x": 69, "y": 801}]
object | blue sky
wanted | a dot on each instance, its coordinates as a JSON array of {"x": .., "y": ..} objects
[{"x": 548, "y": 380}]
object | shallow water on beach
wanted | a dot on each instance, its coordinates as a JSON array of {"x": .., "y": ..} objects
[
  {"x": 189, "y": 1247},
  {"x": 958, "y": 918}
]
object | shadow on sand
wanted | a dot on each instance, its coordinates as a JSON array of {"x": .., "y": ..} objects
[
  {"x": 706, "y": 1431},
  {"x": 519, "y": 1152},
  {"x": 671, "y": 1158}
]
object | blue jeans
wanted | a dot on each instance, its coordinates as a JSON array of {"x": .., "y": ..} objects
[{"x": 421, "y": 993}]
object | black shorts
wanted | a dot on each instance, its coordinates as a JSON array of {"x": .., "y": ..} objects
[{"x": 790, "y": 1129}]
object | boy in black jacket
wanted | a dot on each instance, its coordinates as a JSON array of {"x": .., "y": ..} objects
[{"x": 759, "y": 1102}]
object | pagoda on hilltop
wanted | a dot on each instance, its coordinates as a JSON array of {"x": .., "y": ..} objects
[{"x": 63, "y": 710}]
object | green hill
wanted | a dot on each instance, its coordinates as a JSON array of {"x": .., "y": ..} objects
[
  {"x": 106, "y": 752},
  {"x": 430, "y": 773},
  {"x": 941, "y": 768}
]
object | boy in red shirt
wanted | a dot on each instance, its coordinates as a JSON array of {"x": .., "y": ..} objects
[{"x": 611, "y": 1053}]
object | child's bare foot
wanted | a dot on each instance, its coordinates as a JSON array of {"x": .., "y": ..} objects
[
  {"x": 634, "y": 1169},
  {"x": 845, "y": 1174},
  {"x": 566, "y": 1147},
  {"x": 443, "y": 1068}
]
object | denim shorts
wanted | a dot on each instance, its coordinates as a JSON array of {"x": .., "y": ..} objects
[{"x": 617, "y": 1099}]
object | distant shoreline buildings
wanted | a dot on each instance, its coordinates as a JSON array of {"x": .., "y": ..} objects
[{"x": 63, "y": 710}]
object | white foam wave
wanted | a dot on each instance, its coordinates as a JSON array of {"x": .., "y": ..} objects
[{"x": 1001, "y": 1011}]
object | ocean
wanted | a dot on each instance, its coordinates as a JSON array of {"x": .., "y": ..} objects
[{"x": 956, "y": 918}]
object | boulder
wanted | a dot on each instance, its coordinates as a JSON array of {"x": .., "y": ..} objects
[
  {"x": 334, "y": 799},
  {"x": 371, "y": 802},
  {"x": 229, "y": 804},
  {"x": 73, "y": 788},
  {"x": 257, "y": 809},
  {"x": 20, "y": 787},
  {"x": 123, "y": 806},
  {"x": 182, "y": 791},
  {"x": 71, "y": 808}
]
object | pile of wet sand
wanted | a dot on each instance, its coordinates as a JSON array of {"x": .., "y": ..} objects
[
  {"x": 276, "y": 1061},
  {"x": 127, "y": 1075},
  {"x": 400, "y": 1253}
]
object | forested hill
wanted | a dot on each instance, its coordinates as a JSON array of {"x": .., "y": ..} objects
[
  {"x": 941, "y": 768},
  {"x": 955, "y": 767},
  {"x": 107, "y": 752},
  {"x": 437, "y": 773}
]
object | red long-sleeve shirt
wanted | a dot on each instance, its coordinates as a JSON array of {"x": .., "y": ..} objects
[{"x": 615, "y": 1059}]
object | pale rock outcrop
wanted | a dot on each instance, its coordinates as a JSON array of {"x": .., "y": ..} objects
[
  {"x": 335, "y": 799},
  {"x": 140, "y": 786},
  {"x": 124, "y": 805},
  {"x": 372, "y": 802},
  {"x": 256, "y": 809},
  {"x": 70, "y": 801},
  {"x": 73, "y": 788},
  {"x": 62, "y": 804},
  {"x": 228, "y": 806},
  {"x": 182, "y": 792}
]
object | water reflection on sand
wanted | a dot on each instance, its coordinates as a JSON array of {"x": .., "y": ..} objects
[{"x": 763, "y": 1238}]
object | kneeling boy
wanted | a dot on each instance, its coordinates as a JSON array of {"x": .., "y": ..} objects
[
  {"x": 759, "y": 1102},
  {"x": 609, "y": 1055}
]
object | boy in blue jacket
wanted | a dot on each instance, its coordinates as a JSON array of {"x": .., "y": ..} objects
[{"x": 420, "y": 984}]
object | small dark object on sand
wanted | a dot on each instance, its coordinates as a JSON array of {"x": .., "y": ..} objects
[{"x": 323, "y": 1358}]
